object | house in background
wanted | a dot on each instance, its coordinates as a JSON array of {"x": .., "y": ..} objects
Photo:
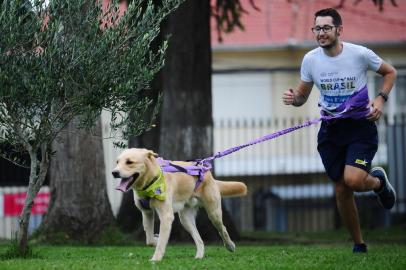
[{"x": 251, "y": 70}]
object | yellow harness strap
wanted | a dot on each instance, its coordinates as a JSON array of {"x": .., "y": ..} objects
[{"x": 156, "y": 190}]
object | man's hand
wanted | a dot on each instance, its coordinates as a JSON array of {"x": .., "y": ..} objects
[
  {"x": 288, "y": 97},
  {"x": 376, "y": 107},
  {"x": 299, "y": 96}
]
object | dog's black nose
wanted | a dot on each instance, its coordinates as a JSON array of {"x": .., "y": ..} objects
[{"x": 116, "y": 174}]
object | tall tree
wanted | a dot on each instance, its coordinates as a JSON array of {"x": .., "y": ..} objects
[{"x": 66, "y": 68}]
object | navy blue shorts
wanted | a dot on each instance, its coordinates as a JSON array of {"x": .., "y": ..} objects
[{"x": 347, "y": 142}]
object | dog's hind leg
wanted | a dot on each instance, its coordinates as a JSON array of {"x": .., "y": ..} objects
[
  {"x": 212, "y": 203},
  {"x": 187, "y": 217},
  {"x": 148, "y": 223}
]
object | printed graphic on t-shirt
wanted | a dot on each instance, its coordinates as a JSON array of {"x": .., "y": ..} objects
[{"x": 335, "y": 89}]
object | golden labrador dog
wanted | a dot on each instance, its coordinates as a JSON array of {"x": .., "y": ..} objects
[{"x": 139, "y": 170}]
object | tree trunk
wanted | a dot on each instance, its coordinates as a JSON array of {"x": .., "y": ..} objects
[
  {"x": 38, "y": 172},
  {"x": 186, "y": 119},
  {"x": 22, "y": 236},
  {"x": 79, "y": 207}
]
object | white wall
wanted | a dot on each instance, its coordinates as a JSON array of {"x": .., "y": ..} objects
[
  {"x": 241, "y": 96},
  {"x": 110, "y": 155}
]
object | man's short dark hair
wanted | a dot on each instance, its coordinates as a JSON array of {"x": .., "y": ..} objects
[{"x": 329, "y": 12}]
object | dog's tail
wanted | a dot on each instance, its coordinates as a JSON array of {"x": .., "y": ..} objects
[{"x": 231, "y": 189}]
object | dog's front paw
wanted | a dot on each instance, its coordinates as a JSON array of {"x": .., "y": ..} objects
[
  {"x": 156, "y": 258},
  {"x": 199, "y": 251},
  {"x": 153, "y": 242},
  {"x": 230, "y": 246},
  {"x": 199, "y": 256}
]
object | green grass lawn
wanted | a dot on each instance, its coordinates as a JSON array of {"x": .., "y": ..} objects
[
  {"x": 181, "y": 257},
  {"x": 387, "y": 251}
]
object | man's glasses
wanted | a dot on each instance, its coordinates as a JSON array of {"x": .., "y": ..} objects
[{"x": 326, "y": 28}]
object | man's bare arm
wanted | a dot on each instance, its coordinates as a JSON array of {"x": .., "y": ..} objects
[{"x": 299, "y": 96}]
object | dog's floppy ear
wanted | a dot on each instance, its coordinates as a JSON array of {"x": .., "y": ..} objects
[{"x": 151, "y": 153}]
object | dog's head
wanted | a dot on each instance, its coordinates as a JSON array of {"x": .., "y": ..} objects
[{"x": 135, "y": 167}]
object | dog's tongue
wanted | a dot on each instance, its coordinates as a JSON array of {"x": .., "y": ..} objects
[{"x": 123, "y": 184}]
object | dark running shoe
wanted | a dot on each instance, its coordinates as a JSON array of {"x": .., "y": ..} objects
[
  {"x": 359, "y": 248},
  {"x": 386, "y": 194}
]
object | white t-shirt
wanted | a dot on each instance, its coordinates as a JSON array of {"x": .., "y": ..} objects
[{"x": 340, "y": 76}]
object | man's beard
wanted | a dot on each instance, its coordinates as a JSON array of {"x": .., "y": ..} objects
[{"x": 331, "y": 45}]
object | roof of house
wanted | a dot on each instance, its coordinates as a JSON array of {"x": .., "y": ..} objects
[{"x": 288, "y": 22}]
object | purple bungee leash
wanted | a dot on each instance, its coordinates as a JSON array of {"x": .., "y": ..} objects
[{"x": 355, "y": 107}]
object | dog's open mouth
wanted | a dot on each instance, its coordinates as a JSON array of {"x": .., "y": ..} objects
[{"x": 126, "y": 183}]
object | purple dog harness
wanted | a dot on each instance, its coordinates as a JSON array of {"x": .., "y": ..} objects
[
  {"x": 167, "y": 166},
  {"x": 195, "y": 170},
  {"x": 355, "y": 107}
]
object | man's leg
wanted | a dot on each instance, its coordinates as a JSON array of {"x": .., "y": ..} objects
[
  {"x": 348, "y": 210},
  {"x": 354, "y": 179},
  {"x": 359, "y": 180}
]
